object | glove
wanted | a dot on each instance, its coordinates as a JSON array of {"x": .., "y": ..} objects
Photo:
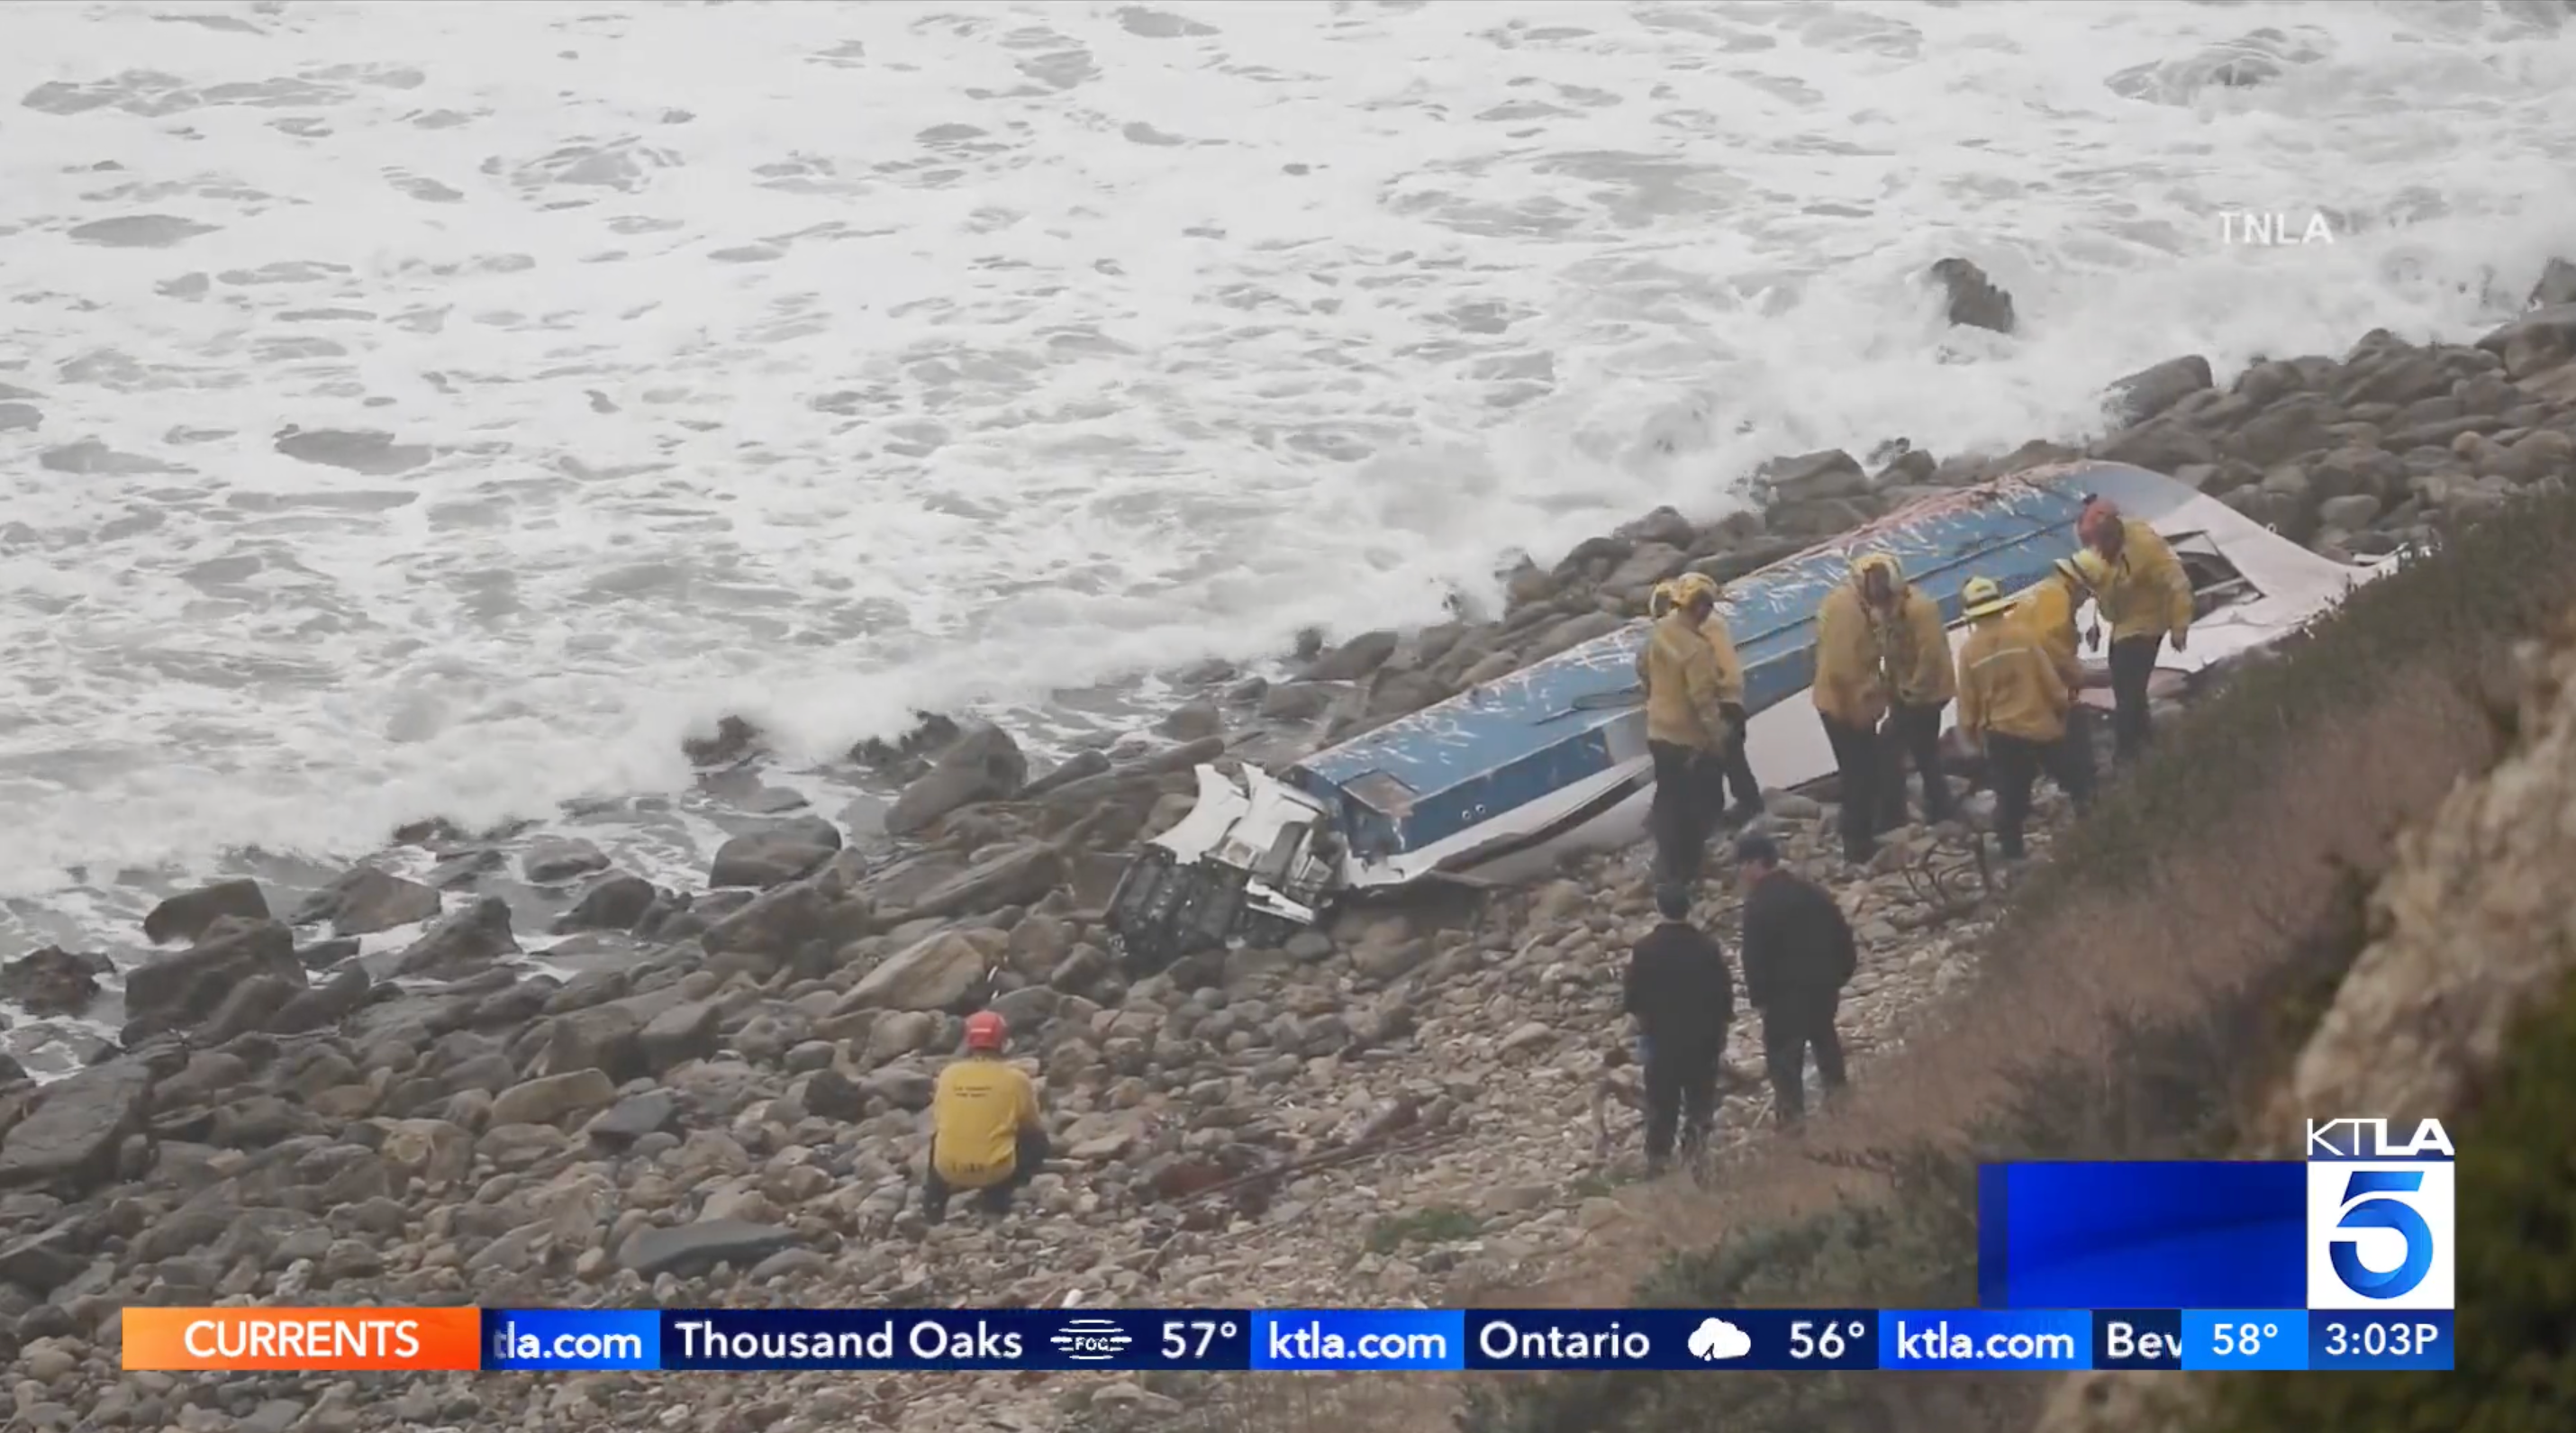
[{"x": 2181, "y": 641}]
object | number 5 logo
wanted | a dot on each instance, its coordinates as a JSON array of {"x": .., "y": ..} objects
[{"x": 2363, "y": 1211}]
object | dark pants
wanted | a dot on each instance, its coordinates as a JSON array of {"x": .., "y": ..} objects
[
  {"x": 1791, "y": 1026},
  {"x": 1857, "y": 758},
  {"x": 1690, "y": 790},
  {"x": 1029, "y": 1156},
  {"x": 1681, "y": 1098},
  {"x": 1740, "y": 778},
  {"x": 2133, "y": 665},
  {"x": 2016, "y": 764},
  {"x": 1913, "y": 731}
]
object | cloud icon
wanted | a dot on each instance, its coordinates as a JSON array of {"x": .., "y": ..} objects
[{"x": 1715, "y": 1339}]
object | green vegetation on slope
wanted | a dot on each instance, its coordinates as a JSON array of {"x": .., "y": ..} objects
[{"x": 2173, "y": 1087}]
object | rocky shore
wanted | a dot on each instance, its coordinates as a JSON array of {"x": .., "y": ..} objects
[{"x": 492, "y": 1070}]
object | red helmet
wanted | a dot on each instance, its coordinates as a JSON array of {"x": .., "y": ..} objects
[{"x": 986, "y": 1030}]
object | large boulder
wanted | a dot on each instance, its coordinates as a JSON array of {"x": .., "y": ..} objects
[
  {"x": 983, "y": 764},
  {"x": 462, "y": 944},
  {"x": 365, "y": 900},
  {"x": 777, "y": 855},
  {"x": 932, "y": 973},
  {"x": 1015, "y": 877},
  {"x": 188, "y": 985},
  {"x": 70, "y": 1140},
  {"x": 1975, "y": 301},
  {"x": 189, "y": 914},
  {"x": 2150, "y": 391},
  {"x": 52, "y": 981}
]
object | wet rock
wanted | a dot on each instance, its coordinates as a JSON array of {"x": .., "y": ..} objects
[
  {"x": 773, "y": 857},
  {"x": 325, "y": 1005},
  {"x": 2535, "y": 343},
  {"x": 187, "y": 985},
  {"x": 2150, "y": 391},
  {"x": 615, "y": 902},
  {"x": 45, "y": 1261},
  {"x": 365, "y": 900},
  {"x": 933, "y": 973},
  {"x": 461, "y": 944},
  {"x": 731, "y": 741},
  {"x": 1353, "y": 659},
  {"x": 1074, "y": 768},
  {"x": 2159, "y": 445},
  {"x": 187, "y": 915},
  {"x": 596, "y": 1037},
  {"x": 678, "y": 1035},
  {"x": 778, "y": 920},
  {"x": 70, "y": 1139},
  {"x": 52, "y": 981},
  {"x": 1299, "y": 701},
  {"x": 2557, "y": 286},
  {"x": 1017, "y": 876},
  {"x": 692, "y": 1249},
  {"x": 553, "y": 860},
  {"x": 1192, "y": 721},
  {"x": 1812, "y": 477},
  {"x": 983, "y": 764},
  {"x": 1975, "y": 301},
  {"x": 248, "y": 1006}
]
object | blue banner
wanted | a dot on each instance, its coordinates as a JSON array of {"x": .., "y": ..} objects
[
  {"x": 569, "y": 1340},
  {"x": 1985, "y": 1339},
  {"x": 2417, "y": 1340},
  {"x": 2209, "y": 1235},
  {"x": 2251, "y": 1339}
]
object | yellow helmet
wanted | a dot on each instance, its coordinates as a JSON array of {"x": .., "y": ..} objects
[
  {"x": 1693, "y": 587},
  {"x": 1982, "y": 597},
  {"x": 2090, "y": 568},
  {"x": 1659, "y": 601}
]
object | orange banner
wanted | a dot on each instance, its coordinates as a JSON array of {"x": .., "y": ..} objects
[{"x": 173, "y": 1340}]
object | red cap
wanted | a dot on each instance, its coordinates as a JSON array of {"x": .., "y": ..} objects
[{"x": 986, "y": 1030}]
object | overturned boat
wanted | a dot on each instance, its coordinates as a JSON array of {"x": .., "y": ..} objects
[{"x": 1503, "y": 780}]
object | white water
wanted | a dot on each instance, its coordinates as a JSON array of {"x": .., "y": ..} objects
[{"x": 824, "y": 362}]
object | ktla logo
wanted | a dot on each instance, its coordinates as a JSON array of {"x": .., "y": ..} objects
[{"x": 2379, "y": 1216}]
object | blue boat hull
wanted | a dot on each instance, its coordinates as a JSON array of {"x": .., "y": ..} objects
[{"x": 1518, "y": 760}]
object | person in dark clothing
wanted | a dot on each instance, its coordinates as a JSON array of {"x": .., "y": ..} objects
[
  {"x": 1798, "y": 956},
  {"x": 1682, "y": 997}
]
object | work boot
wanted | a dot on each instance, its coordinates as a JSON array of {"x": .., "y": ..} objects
[{"x": 1742, "y": 814}]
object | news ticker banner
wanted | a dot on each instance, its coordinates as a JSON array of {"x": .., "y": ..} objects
[{"x": 1319, "y": 1340}]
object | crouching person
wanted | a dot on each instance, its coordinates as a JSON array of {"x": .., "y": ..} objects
[{"x": 986, "y": 1135}]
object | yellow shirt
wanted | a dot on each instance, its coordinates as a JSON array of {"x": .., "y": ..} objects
[
  {"x": 1682, "y": 678},
  {"x": 2149, "y": 594},
  {"x": 977, "y": 1113},
  {"x": 2008, "y": 685},
  {"x": 2047, "y": 612}
]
